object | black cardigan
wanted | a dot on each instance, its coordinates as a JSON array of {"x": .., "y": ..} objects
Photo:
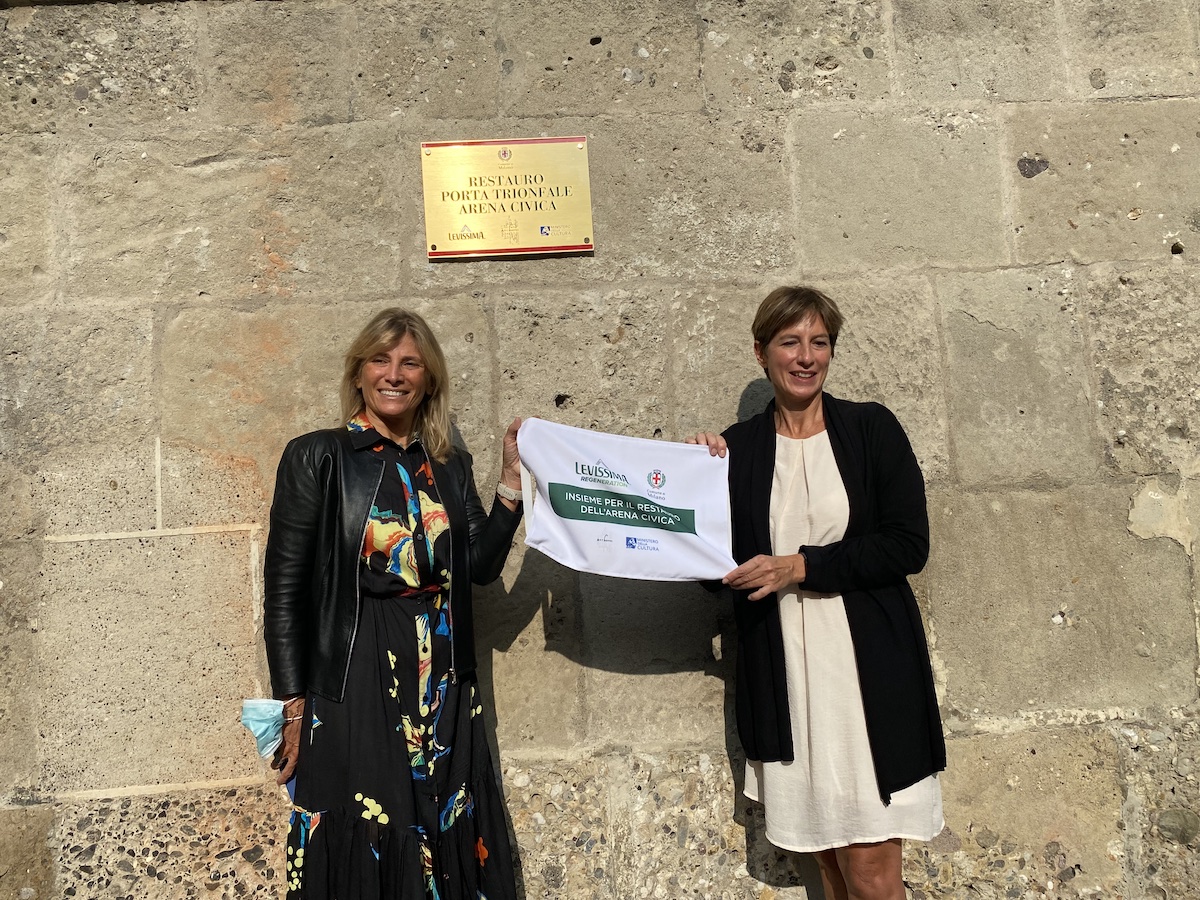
[{"x": 886, "y": 540}]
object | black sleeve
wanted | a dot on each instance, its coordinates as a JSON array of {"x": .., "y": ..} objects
[
  {"x": 898, "y": 545},
  {"x": 287, "y": 577},
  {"x": 491, "y": 534}
]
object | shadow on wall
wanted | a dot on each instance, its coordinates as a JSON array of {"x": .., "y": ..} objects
[{"x": 633, "y": 627}]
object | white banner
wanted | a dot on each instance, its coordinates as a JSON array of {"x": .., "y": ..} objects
[{"x": 624, "y": 506}]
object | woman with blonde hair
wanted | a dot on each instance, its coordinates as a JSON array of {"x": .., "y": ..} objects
[{"x": 377, "y": 533}]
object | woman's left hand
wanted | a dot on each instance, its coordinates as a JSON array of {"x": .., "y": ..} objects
[
  {"x": 510, "y": 460},
  {"x": 764, "y": 575}
]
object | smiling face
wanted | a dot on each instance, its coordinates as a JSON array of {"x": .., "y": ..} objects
[
  {"x": 796, "y": 360},
  {"x": 394, "y": 385}
]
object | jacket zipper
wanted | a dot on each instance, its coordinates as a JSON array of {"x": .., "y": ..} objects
[
  {"x": 357, "y": 585},
  {"x": 449, "y": 593}
]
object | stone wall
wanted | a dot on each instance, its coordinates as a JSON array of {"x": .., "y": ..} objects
[{"x": 200, "y": 202}]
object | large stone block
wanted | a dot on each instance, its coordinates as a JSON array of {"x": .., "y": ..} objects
[
  {"x": 652, "y": 680},
  {"x": 782, "y": 55},
  {"x": 527, "y": 636},
  {"x": 623, "y": 58},
  {"x": 121, "y": 64},
  {"x": 961, "y": 52},
  {"x": 145, "y": 650},
  {"x": 207, "y": 843},
  {"x": 1139, "y": 48},
  {"x": 308, "y": 212},
  {"x": 278, "y": 64},
  {"x": 333, "y": 219},
  {"x": 592, "y": 359},
  {"x": 1017, "y": 377},
  {"x": 1028, "y": 591},
  {"x": 419, "y": 58},
  {"x": 563, "y": 828},
  {"x": 1147, "y": 366},
  {"x": 243, "y": 384},
  {"x": 1034, "y": 814},
  {"x": 675, "y": 198},
  {"x": 876, "y": 191},
  {"x": 175, "y": 219},
  {"x": 1093, "y": 183},
  {"x": 26, "y": 229},
  {"x": 71, "y": 376},
  {"x": 25, "y": 859},
  {"x": 96, "y": 488}
]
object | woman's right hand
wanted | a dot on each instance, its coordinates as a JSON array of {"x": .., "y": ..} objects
[
  {"x": 288, "y": 753},
  {"x": 715, "y": 443}
]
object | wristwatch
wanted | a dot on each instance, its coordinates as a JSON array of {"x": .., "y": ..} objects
[{"x": 503, "y": 490}]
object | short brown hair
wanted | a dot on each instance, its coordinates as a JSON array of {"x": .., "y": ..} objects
[
  {"x": 383, "y": 332},
  {"x": 785, "y": 306}
]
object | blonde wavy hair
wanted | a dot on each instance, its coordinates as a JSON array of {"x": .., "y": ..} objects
[{"x": 384, "y": 331}]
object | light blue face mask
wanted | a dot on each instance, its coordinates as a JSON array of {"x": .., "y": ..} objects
[{"x": 264, "y": 718}]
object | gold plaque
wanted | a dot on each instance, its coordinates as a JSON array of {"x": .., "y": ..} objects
[{"x": 507, "y": 198}]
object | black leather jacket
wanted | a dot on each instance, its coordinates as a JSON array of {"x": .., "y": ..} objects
[{"x": 323, "y": 494}]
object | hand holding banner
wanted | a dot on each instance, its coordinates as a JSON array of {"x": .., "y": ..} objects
[{"x": 624, "y": 506}]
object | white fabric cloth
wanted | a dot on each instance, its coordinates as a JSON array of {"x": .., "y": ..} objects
[
  {"x": 828, "y": 796},
  {"x": 624, "y": 506}
]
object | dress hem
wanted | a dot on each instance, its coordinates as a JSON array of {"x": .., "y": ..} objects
[{"x": 846, "y": 842}]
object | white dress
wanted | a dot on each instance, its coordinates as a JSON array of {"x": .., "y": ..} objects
[{"x": 828, "y": 796}]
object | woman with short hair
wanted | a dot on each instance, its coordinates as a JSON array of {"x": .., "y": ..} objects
[{"x": 836, "y": 707}]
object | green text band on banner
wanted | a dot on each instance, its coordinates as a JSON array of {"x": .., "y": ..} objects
[{"x": 629, "y": 507}]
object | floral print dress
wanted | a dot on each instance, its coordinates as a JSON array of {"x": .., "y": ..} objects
[{"x": 396, "y": 795}]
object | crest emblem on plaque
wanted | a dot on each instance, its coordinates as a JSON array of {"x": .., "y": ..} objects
[{"x": 504, "y": 153}]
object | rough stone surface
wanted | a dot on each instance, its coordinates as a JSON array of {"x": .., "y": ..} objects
[
  {"x": 1048, "y": 801},
  {"x": 68, "y": 373},
  {"x": 81, "y": 491},
  {"x": 784, "y": 55},
  {"x": 186, "y": 844},
  {"x": 200, "y": 487},
  {"x": 26, "y": 866},
  {"x": 25, "y": 224},
  {"x": 1030, "y": 589},
  {"x": 109, "y": 639},
  {"x": 878, "y": 191},
  {"x": 527, "y": 622},
  {"x": 658, "y": 682},
  {"x": 1018, "y": 377},
  {"x": 588, "y": 59},
  {"x": 597, "y": 378},
  {"x": 1020, "y": 59},
  {"x": 20, "y": 561},
  {"x": 1138, "y": 48},
  {"x": 1158, "y": 768},
  {"x": 1118, "y": 181},
  {"x": 419, "y": 58},
  {"x": 1140, "y": 320},
  {"x": 120, "y": 64},
  {"x": 279, "y": 64}
]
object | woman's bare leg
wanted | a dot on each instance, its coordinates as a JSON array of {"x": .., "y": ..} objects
[
  {"x": 871, "y": 871},
  {"x": 831, "y": 875}
]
